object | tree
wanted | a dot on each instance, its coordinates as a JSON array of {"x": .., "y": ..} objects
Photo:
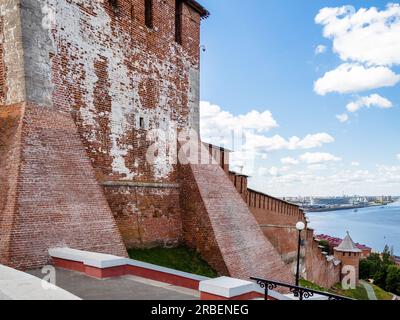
[
  {"x": 387, "y": 256},
  {"x": 393, "y": 279},
  {"x": 325, "y": 245},
  {"x": 382, "y": 268},
  {"x": 370, "y": 266}
]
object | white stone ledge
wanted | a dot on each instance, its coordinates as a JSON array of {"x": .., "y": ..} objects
[
  {"x": 226, "y": 287},
  {"x": 100, "y": 260},
  {"x": 92, "y": 259}
]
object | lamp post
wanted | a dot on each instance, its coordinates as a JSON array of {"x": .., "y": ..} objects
[{"x": 300, "y": 226}]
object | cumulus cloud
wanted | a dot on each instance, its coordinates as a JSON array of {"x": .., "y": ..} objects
[
  {"x": 368, "y": 36},
  {"x": 324, "y": 180},
  {"x": 374, "y": 100},
  {"x": 318, "y": 157},
  {"x": 216, "y": 121},
  {"x": 368, "y": 43},
  {"x": 320, "y": 49},
  {"x": 355, "y": 164},
  {"x": 398, "y": 156},
  {"x": 219, "y": 127},
  {"x": 343, "y": 117},
  {"x": 263, "y": 144},
  {"x": 289, "y": 161},
  {"x": 247, "y": 135},
  {"x": 354, "y": 77}
]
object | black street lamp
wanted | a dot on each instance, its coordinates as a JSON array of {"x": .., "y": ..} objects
[{"x": 300, "y": 226}]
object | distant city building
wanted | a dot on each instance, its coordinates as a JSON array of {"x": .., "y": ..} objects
[{"x": 397, "y": 260}]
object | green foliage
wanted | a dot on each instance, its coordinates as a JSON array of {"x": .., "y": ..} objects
[
  {"x": 371, "y": 266},
  {"x": 359, "y": 293},
  {"x": 325, "y": 244},
  {"x": 382, "y": 269},
  {"x": 381, "y": 294},
  {"x": 310, "y": 285},
  {"x": 182, "y": 259},
  {"x": 393, "y": 279}
]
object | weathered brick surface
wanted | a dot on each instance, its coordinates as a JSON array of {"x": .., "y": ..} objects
[
  {"x": 218, "y": 222},
  {"x": 58, "y": 200},
  {"x": 13, "y": 82},
  {"x": 112, "y": 71},
  {"x": 319, "y": 269},
  {"x": 10, "y": 150},
  {"x": 146, "y": 216},
  {"x": 278, "y": 220},
  {"x": 73, "y": 152},
  {"x": 349, "y": 259},
  {"x": 118, "y": 80}
]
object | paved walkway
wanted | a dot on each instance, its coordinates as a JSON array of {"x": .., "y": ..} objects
[
  {"x": 370, "y": 290},
  {"x": 120, "y": 288},
  {"x": 17, "y": 285}
]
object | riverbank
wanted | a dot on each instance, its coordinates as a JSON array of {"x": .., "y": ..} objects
[
  {"x": 342, "y": 208},
  {"x": 372, "y": 226}
]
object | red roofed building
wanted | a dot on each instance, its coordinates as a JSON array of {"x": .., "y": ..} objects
[{"x": 335, "y": 242}]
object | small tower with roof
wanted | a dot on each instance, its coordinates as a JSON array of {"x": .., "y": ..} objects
[{"x": 349, "y": 254}]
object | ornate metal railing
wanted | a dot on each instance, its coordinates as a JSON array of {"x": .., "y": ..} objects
[{"x": 298, "y": 292}]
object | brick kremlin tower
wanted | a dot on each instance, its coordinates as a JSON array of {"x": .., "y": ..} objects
[{"x": 349, "y": 254}]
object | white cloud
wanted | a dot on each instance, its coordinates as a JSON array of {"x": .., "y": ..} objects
[
  {"x": 398, "y": 156},
  {"x": 327, "y": 180},
  {"x": 368, "y": 36},
  {"x": 318, "y": 157},
  {"x": 263, "y": 144},
  {"x": 354, "y": 77},
  {"x": 274, "y": 171},
  {"x": 320, "y": 49},
  {"x": 213, "y": 114},
  {"x": 217, "y": 126},
  {"x": 289, "y": 161},
  {"x": 343, "y": 117},
  {"x": 370, "y": 101},
  {"x": 355, "y": 164},
  {"x": 221, "y": 127}
]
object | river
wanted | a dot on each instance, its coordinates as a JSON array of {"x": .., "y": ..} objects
[{"x": 373, "y": 226}]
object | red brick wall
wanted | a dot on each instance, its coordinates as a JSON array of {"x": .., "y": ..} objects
[
  {"x": 10, "y": 135},
  {"x": 148, "y": 76},
  {"x": 218, "y": 222},
  {"x": 277, "y": 220},
  {"x": 2, "y": 67},
  {"x": 325, "y": 273},
  {"x": 350, "y": 259},
  {"x": 58, "y": 200},
  {"x": 108, "y": 70},
  {"x": 119, "y": 72},
  {"x": 146, "y": 216}
]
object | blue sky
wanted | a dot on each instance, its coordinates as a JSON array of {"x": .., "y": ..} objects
[{"x": 261, "y": 56}]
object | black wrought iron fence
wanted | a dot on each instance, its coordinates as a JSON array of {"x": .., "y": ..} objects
[{"x": 298, "y": 292}]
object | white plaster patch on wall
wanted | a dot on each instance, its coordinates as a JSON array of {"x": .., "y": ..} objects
[
  {"x": 13, "y": 52},
  {"x": 38, "y": 77},
  {"x": 194, "y": 99},
  {"x": 86, "y": 37},
  {"x": 89, "y": 37}
]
